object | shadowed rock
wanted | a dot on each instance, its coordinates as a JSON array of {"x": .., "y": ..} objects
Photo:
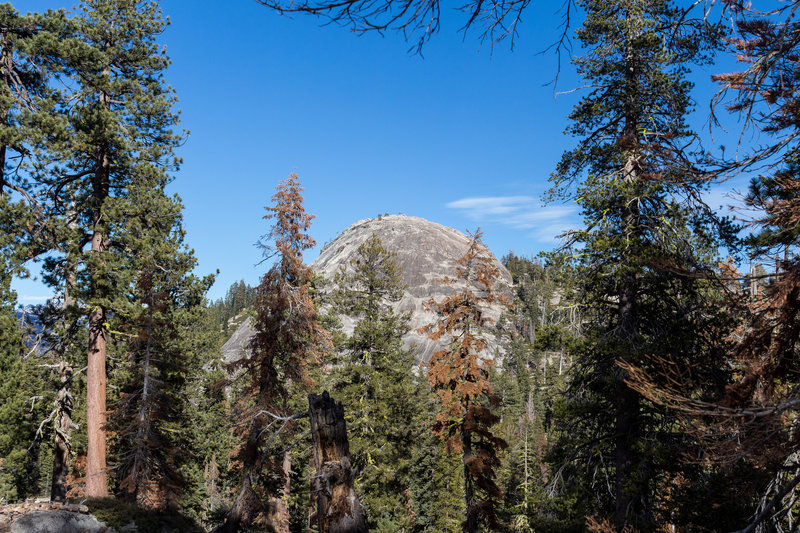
[{"x": 57, "y": 522}]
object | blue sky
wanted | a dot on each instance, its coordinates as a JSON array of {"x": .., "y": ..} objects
[{"x": 465, "y": 136}]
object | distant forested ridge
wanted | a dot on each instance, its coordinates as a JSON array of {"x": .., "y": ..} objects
[{"x": 238, "y": 298}]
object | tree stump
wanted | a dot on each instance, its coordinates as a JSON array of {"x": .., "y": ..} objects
[{"x": 338, "y": 507}]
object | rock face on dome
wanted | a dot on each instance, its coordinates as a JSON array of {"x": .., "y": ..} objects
[{"x": 426, "y": 253}]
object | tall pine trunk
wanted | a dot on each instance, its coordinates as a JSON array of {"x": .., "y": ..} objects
[
  {"x": 96, "y": 484},
  {"x": 627, "y": 401}
]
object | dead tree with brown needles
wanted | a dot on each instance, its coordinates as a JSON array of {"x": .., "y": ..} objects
[
  {"x": 288, "y": 338},
  {"x": 459, "y": 374}
]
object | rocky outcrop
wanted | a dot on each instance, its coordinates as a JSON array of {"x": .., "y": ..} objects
[
  {"x": 58, "y": 522},
  {"x": 426, "y": 252},
  {"x": 235, "y": 347},
  {"x": 47, "y": 517}
]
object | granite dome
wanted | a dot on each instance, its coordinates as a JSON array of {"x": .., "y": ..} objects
[{"x": 426, "y": 253}]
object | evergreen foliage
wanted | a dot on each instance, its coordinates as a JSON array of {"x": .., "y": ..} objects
[
  {"x": 120, "y": 137},
  {"x": 755, "y": 458},
  {"x": 33, "y": 51},
  {"x": 207, "y": 439},
  {"x": 239, "y": 297},
  {"x": 532, "y": 382},
  {"x": 19, "y": 409},
  {"x": 166, "y": 301},
  {"x": 436, "y": 482},
  {"x": 87, "y": 127},
  {"x": 640, "y": 246},
  {"x": 21, "y": 385},
  {"x": 626, "y": 369},
  {"x": 374, "y": 379}
]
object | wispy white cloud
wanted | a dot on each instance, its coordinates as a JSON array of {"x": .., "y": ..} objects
[
  {"x": 519, "y": 212},
  {"x": 488, "y": 206}
]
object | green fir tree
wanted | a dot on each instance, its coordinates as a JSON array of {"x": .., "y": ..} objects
[
  {"x": 19, "y": 468},
  {"x": 165, "y": 305},
  {"x": 375, "y": 380},
  {"x": 640, "y": 250}
]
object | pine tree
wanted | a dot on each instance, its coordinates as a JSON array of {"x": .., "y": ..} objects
[
  {"x": 121, "y": 128},
  {"x": 238, "y": 298},
  {"x": 288, "y": 338},
  {"x": 765, "y": 96},
  {"x": 762, "y": 447},
  {"x": 33, "y": 50},
  {"x": 460, "y": 377},
  {"x": 21, "y": 408},
  {"x": 437, "y": 476},
  {"x": 204, "y": 421},
  {"x": 92, "y": 160},
  {"x": 634, "y": 163},
  {"x": 374, "y": 379},
  {"x": 208, "y": 472},
  {"x": 165, "y": 303},
  {"x": 532, "y": 382},
  {"x": 21, "y": 389},
  {"x": 18, "y": 477},
  {"x": 37, "y": 53}
]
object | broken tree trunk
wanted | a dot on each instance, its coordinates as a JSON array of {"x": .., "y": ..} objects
[
  {"x": 338, "y": 507},
  {"x": 63, "y": 430}
]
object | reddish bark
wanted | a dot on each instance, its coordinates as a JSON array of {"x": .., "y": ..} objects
[{"x": 96, "y": 484}]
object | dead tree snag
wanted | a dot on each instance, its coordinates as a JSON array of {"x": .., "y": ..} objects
[{"x": 338, "y": 507}]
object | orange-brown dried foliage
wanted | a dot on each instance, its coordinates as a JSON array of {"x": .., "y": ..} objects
[
  {"x": 459, "y": 375},
  {"x": 288, "y": 339}
]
